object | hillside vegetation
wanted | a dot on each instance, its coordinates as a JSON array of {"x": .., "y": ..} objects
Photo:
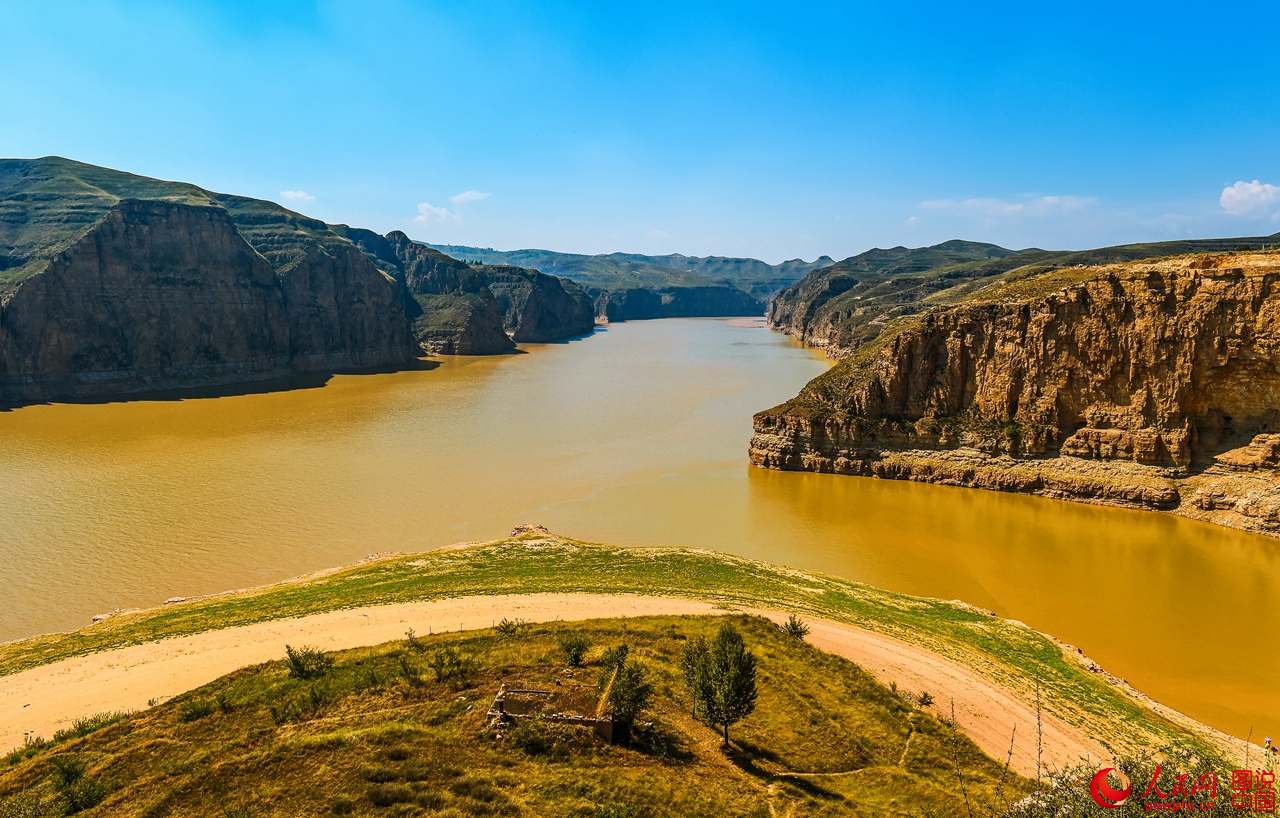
[
  {"x": 849, "y": 303},
  {"x": 382, "y": 733},
  {"x": 1018, "y": 658},
  {"x": 620, "y": 271}
]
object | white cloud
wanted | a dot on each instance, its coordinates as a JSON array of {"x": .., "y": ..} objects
[
  {"x": 992, "y": 208},
  {"x": 468, "y": 196},
  {"x": 428, "y": 213},
  {"x": 1254, "y": 198},
  {"x": 297, "y": 196}
]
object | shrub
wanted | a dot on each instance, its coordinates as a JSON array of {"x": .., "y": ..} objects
[
  {"x": 194, "y": 709},
  {"x": 452, "y": 665},
  {"x": 79, "y": 791},
  {"x": 613, "y": 659},
  {"x": 84, "y": 726},
  {"x": 307, "y": 662},
  {"x": 509, "y": 628},
  {"x": 413, "y": 642},
  {"x": 30, "y": 746},
  {"x": 925, "y": 698},
  {"x": 574, "y": 646},
  {"x": 410, "y": 672},
  {"x": 795, "y": 627},
  {"x": 343, "y": 806}
]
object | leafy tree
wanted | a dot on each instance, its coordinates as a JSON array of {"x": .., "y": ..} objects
[
  {"x": 693, "y": 663},
  {"x": 574, "y": 646},
  {"x": 722, "y": 678},
  {"x": 613, "y": 659},
  {"x": 629, "y": 692}
]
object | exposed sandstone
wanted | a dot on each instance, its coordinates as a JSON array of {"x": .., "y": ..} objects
[
  {"x": 1150, "y": 384},
  {"x": 160, "y": 295}
]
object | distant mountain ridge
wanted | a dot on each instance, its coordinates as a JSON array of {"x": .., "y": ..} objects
[
  {"x": 634, "y": 285},
  {"x": 608, "y": 271}
]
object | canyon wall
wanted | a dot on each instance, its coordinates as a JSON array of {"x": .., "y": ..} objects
[
  {"x": 1151, "y": 384},
  {"x": 676, "y": 302},
  {"x": 161, "y": 295}
]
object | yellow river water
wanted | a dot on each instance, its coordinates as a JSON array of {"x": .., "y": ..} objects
[{"x": 636, "y": 435}]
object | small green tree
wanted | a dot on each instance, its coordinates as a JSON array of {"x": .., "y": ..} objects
[
  {"x": 613, "y": 659},
  {"x": 693, "y": 663},
  {"x": 627, "y": 691},
  {"x": 574, "y": 646},
  {"x": 722, "y": 678},
  {"x": 795, "y": 627}
]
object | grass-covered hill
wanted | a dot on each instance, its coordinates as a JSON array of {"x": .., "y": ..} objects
[
  {"x": 847, "y": 304},
  {"x": 621, "y": 271},
  {"x": 45, "y": 204},
  {"x": 1018, "y": 658},
  {"x": 382, "y": 733},
  {"x": 114, "y": 283}
]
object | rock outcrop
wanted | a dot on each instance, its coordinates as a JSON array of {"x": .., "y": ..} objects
[
  {"x": 538, "y": 307},
  {"x": 1151, "y": 384},
  {"x": 676, "y": 302},
  {"x": 157, "y": 294},
  {"x": 449, "y": 301}
]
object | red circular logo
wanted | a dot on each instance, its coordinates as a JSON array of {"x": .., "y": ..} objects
[{"x": 1104, "y": 794}]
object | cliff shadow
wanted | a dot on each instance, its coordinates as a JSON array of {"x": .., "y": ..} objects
[
  {"x": 573, "y": 339},
  {"x": 289, "y": 383}
]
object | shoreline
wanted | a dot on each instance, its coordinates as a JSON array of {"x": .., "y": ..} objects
[
  {"x": 481, "y": 583},
  {"x": 52, "y": 696}
]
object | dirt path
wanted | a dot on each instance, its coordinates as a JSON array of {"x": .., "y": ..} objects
[{"x": 44, "y": 699}]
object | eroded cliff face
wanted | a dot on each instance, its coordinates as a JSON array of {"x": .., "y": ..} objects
[
  {"x": 538, "y": 307},
  {"x": 449, "y": 301},
  {"x": 676, "y": 302},
  {"x": 1152, "y": 384},
  {"x": 161, "y": 295}
]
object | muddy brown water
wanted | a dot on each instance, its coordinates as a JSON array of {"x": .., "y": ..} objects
[{"x": 636, "y": 435}]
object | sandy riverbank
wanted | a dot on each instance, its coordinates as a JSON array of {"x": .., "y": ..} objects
[{"x": 46, "y": 698}]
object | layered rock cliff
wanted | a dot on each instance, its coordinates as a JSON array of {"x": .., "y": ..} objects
[
  {"x": 538, "y": 307},
  {"x": 114, "y": 284},
  {"x": 163, "y": 294},
  {"x": 1153, "y": 384},
  {"x": 676, "y": 302},
  {"x": 449, "y": 301}
]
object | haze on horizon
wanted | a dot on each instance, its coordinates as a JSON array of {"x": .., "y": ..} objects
[{"x": 765, "y": 131}]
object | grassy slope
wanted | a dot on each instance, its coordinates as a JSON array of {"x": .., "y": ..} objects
[
  {"x": 862, "y": 295},
  {"x": 46, "y": 204},
  {"x": 623, "y": 270},
  {"x": 1008, "y": 652},
  {"x": 378, "y": 726}
]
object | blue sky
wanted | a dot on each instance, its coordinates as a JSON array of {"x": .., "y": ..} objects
[{"x": 774, "y": 130}]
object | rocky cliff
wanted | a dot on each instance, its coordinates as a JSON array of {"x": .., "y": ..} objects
[
  {"x": 160, "y": 294},
  {"x": 1152, "y": 384},
  {"x": 676, "y": 302},
  {"x": 538, "y": 307},
  {"x": 114, "y": 284},
  {"x": 449, "y": 301}
]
